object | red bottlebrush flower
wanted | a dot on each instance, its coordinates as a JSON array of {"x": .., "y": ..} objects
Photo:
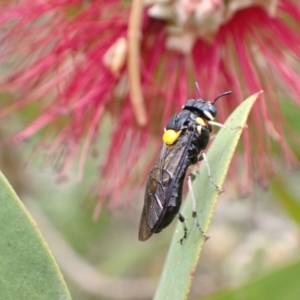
[{"x": 84, "y": 61}]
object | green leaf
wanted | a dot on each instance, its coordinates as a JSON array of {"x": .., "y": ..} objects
[
  {"x": 279, "y": 285},
  {"x": 182, "y": 260},
  {"x": 281, "y": 188},
  {"x": 27, "y": 268}
]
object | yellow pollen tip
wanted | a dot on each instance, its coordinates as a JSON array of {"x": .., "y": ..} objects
[{"x": 170, "y": 136}]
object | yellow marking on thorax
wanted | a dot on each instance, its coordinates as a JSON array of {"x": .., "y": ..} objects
[
  {"x": 200, "y": 121},
  {"x": 171, "y": 136}
]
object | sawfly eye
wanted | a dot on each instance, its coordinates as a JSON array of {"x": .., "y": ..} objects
[{"x": 213, "y": 111}]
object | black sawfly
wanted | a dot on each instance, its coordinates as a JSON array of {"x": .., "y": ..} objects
[{"x": 186, "y": 135}]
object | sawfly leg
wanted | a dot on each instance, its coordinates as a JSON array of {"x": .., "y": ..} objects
[
  {"x": 204, "y": 158},
  {"x": 185, "y": 230},
  {"x": 191, "y": 177}
]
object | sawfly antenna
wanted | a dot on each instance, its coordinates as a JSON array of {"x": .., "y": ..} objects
[
  {"x": 223, "y": 94},
  {"x": 198, "y": 89}
]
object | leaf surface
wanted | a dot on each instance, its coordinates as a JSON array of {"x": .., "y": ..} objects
[{"x": 27, "y": 267}]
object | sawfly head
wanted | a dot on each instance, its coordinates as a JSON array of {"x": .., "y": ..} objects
[{"x": 205, "y": 109}]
